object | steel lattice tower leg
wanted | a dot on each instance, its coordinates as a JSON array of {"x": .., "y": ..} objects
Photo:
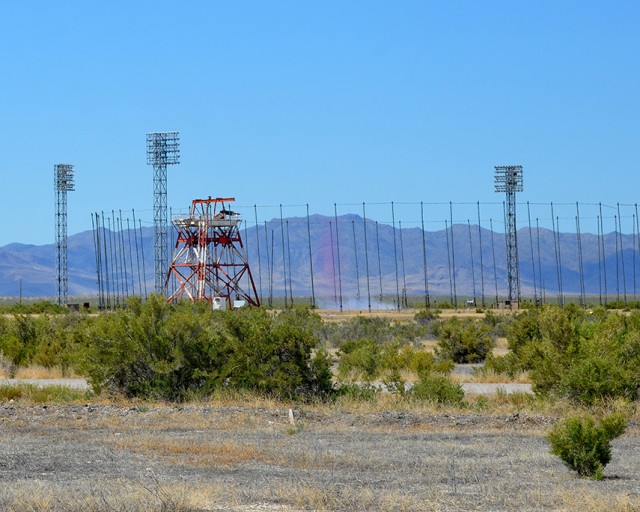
[
  {"x": 160, "y": 226},
  {"x": 508, "y": 179},
  {"x": 63, "y": 183},
  {"x": 163, "y": 148}
]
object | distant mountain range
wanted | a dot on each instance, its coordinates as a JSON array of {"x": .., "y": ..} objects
[{"x": 459, "y": 260}]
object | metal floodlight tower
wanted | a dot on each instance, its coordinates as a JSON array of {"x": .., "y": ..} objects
[
  {"x": 508, "y": 179},
  {"x": 163, "y": 148},
  {"x": 63, "y": 175},
  {"x": 209, "y": 262}
]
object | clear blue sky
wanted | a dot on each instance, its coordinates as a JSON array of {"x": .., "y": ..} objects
[{"x": 290, "y": 102}]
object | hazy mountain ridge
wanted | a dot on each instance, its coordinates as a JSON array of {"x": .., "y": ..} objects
[{"x": 397, "y": 253}]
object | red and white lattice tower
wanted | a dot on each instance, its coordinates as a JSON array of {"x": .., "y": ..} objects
[{"x": 209, "y": 261}]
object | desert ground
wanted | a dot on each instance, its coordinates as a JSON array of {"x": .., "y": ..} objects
[{"x": 107, "y": 457}]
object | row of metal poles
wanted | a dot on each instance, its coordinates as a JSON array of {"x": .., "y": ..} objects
[
  {"x": 120, "y": 263},
  {"x": 348, "y": 260}
]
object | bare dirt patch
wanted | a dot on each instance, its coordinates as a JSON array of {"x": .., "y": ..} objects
[{"x": 254, "y": 458}]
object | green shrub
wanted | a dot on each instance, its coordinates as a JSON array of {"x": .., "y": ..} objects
[
  {"x": 359, "y": 359},
  {"x": 584, "y": 443},
  {"x": 426, "y": 316},
  {"x": 439, "y": 389},
  {"x": 464, "y": 341},
  {"x": 357, "y": 392},
  {"x": 173, "y": 351}
]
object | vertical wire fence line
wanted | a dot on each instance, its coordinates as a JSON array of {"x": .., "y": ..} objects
[
  {"x": 106, "y": 263},
  {"x": 555, "y": 251},
  {"x": 624, "y": 273},
  {"x": 135, "y": 238},
  {"x": 404, "y": 274},
  {"x": 271, "y": 269},
  {"x": 633, "y": 245},
  {"x": 313, "y": 290},
  {"x": 118, "y": 246},
  {"x": 355, "y": 254},
  {"x": 473, "y": 273},
  {"x": 133, "y": 280},
  {"x": 284, "y": 260},
  {"x": 604, "y": 259},
  {"x": 116, "y": 262},
  {"x": 583, "y": 298},
  {"x": 333, "y": 266},
  {"x": 481, "y": 262},
  {"x": 562, "y": 299},
  {"x": 115, "y": 276},
  {"x": 543, "y": 296},
  {"x": 533, "y": 264},
  {"x": 266, "y": 243},
  {"x": 424, "y": 259},
  {"x": 123, "y": 281},
  {"x": 124, "y": 254},
  {"x": 366, "y": 255},
  {"x": 446, "y": 231},
  {"x": 144, "y": 270},
  {"x": 95, "y": 250},
  {"x": 453, "y": 259},
  {"x": 599, "y": 259},
  {"x": 395, "y": 255},
  {"x": 112, "y": 277},
  {"x": 637, "y": 231},
  {"x": 615, "y": 232},
  {"x": 290, "y": 264},
  {"x": 255, "y": 211},
  {"x": 335, "y": 208},
  {"x": 493, "y": 251},
  {"x": 379, "y": 264},
  {"x": 100, "y": 239}
]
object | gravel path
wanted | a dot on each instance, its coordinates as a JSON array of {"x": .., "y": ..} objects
[
  {"x": 72, "y": 383},
  {"x": 469, "y": 387}
]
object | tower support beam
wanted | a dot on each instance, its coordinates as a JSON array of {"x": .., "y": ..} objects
[
  {"x": 508, "y": 179},
  {"x": 63, "y": 181},
  {"x": 163, "y": 148}
]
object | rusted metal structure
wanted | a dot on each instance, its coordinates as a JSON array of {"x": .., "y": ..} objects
[{"x": 209, "y": 261}]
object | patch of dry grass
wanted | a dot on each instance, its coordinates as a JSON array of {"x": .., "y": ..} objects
[
  {"x": 146, "y": 495},
  {"x": 40, "y": 372},
  {"x": 488, "y": 376},
  {"x": 192, "y": 453}
]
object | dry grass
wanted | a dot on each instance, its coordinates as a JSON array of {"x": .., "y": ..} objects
[
  {"x": 40, "y": 372},
  {"x": 334, "y": 316},
  {"x": 192, "y": 453},
  {"x": 488, "y": 376},
  {"x": 501, "y": 347},
  {"x": 342, "y": 457}
]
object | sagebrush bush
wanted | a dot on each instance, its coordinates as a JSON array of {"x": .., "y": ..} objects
[
  {"x": 439, "y": 389},
  {"x": 464, "y": 341},
  {"x": 586, "y": 357},
  {"x": 584, "y": 442},
  {"x": 171, "y": 351}
]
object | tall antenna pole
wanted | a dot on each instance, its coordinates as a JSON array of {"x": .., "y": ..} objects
[
  {"x": 508, "y": 179},
  {"x": 63, "y": 183},
  {"x": 163, "y": 148}
]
